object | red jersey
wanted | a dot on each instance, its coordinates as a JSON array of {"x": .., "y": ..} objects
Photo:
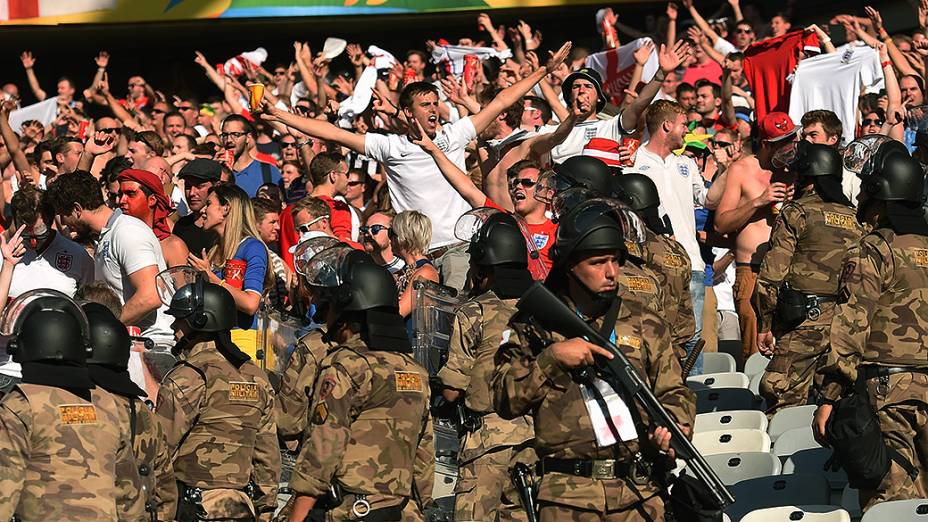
[
  {"x": 542, "y": 235},
  {"x": 288, "y": 235},
  {"x": 341, "y": 217}
]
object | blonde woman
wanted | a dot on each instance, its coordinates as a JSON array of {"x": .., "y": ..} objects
[
  {"x": 410, "y": 237},
  {"x": 228, "y": 214}
]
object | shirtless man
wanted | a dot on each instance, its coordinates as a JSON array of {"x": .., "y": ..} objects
[{"x": 753, "y": 194}]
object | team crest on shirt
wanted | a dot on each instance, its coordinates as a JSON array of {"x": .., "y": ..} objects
[
  {"x": 541, "y": 240},
  {"x": 589, "y": 133},
  {"x": 63, "y": 261},
  {"x": 442, "y": 142},
  {"x": 684, "y": 170}
]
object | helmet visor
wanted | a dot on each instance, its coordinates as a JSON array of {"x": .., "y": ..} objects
[
  {"x": 785, "y": 155},
  {"x": 13, "y": 313},
  {"x": 324, "y": 269},
  {"x": 858, "y": 153},
  {"x": 173, "y": 279},
  {"x": 306, "y": 250}
]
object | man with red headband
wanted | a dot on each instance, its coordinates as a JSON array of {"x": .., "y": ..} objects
[{"x": 141, "y": 195}]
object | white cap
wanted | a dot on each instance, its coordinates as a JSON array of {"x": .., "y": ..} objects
[{"x": 333, "y": 47}]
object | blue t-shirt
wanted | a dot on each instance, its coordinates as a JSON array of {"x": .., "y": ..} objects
[
  {"x": 252, "y": 177},
  {"x": 252, "y": 252}
]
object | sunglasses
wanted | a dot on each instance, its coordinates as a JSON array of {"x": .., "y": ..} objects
[
  {"x": 373, "y": 229},
  {"x": 874, "y": 121},
  {"x": 722, "y": 144},
  {"x": 111, "y": 130},
  {"x": 287, "y": 144},
  {"x": 525, "y": 182},
  {"x": 233, "y": 135},
  {"x": 744, "y": 31},
  {"x": 304, "y": 228},
  {"x": 136, "y": 85},
  {"x": 158, "y": 111},
  {"x": 185, "y": 108},
  {"x": 280, "y": 73},
  {"x": 355, "y": 183}
]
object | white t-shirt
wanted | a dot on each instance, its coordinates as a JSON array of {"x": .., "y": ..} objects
[
  {"x": 724, "y": 289},
  {"x": 416, "y": 183},
  {"x": 63, "y": 266},
  {"x": 724, "y": 47},
  {"x": 179, "y": 201},
  {"x": 582, "y": 133},
  {"x": 126, "y": 246},
  {"x": 681, "y": 188}
]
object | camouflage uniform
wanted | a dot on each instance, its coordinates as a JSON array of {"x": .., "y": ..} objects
[
  {"x": 220, "y": 427},
  {"x": 371, "y": 432},
  {"x": 484, "y": 489},
  {"x": 66, "y": 458},
  {"x": 528, "y": 380},
  {"x": 152, "y": 456},
  {"x": 808, "y": 243},
  {"x": 296, "y": 386},
  {"x": 669, "y": 262},
  {"x": 881, "y": 320}
]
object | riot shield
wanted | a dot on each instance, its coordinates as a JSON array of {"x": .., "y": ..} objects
[{"x": 277, "y": 337}]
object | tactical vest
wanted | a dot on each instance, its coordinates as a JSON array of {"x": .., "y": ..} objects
[{"x": 831, "y": 229}]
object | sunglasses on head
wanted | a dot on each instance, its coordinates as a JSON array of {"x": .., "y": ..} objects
[
  {"x": 525, "y": 182},
  {"x": 373, "y": 229},
  {"x": 872, "y": 121}
]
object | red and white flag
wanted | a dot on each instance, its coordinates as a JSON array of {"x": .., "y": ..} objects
[
  {"x": 615, "y": 66},
  {"x": 21, "y": 9}
]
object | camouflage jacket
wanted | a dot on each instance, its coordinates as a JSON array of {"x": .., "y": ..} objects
[
  {"x": 152, "y": 456},
  {"x": 670, "y": 264},
  {"x": 528, "y": 380},
  {"x": 881, "y": 316},
  {"x": 296, "y": 385},
  {"x": 809, "y": 240},
  {"x": 220, "y": 424},
  {"x": 63, "y": 457},
  {"x": 371, "y": 429},
  {"x": 475, "y": 339}
]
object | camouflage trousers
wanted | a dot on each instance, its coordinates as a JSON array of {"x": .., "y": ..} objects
[
  {"x": 651, "y": 509},
  {"x": 901, "y": 403},
  {"x": 791, "y": 372},
  {"x": 484, "y": 490}
]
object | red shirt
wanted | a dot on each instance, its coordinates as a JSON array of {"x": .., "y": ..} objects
[
  {"x": 288, "y": 235},
  {"x": 710, "y": 70},
  {"x": 768, "y": 63},
  {"x": 542, "y": 235},
  {"x": 340, "y": 219}
]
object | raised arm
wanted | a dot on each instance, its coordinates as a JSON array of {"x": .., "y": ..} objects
[
  {"x": 895, "y": 111},
  {"x": 728, "y": 106},
  {"x": 455, "y": 176},
  {"x": 28, "y": 64},
  {"x": 316, "y": 128},
  {"x": 669, "y": 59},
  {"x": 210, "y": 71},
  {"x": 12, "y": 142},
  {"x": 736, "y": 10},
  {"x": 516, "y": 91},
  {"x": 700, "y": 21},
  {"x": 823, "y": 39},
  {"x": 671, "y": 24}
]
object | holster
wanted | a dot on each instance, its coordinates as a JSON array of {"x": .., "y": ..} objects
[
  {"x": 792, "y": 309},
  {"x": 521, "y": 476},
  {"x": 189, "y": 503},
  {"x": 468, "y": 421},
  {"x": 332, "y": 499}
]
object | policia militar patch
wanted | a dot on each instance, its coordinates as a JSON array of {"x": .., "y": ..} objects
[
  {"x": 243, "y": 391},
  {"x": 77, "y": 414}
]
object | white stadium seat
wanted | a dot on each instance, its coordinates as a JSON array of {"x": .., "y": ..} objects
[
  {"x": 731, "y": 420},
  {"x": 795, "y": 440},
  {"x": 717, "y": 380},
  {"x": 802, "y": 513},
  {"x": 790, "y": 418},
  {"x": 914, "y": 510},
  {"x": 735, "y": 467},
  {"x": 731, "y": 441},
  {"x": 717, "y": 362}
]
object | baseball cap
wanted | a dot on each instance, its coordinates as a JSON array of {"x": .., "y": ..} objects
[
  {"x": 777, "y": 126},
  {"x": 603, "y": 149},
  {"x": 201, "y": 168}
]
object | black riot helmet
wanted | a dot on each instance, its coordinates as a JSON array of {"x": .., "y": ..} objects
[
  {"x": 637, "y": 191},
  {"x": 816, "y": 160},
  {"x": 205, "y": 306},
  {"x": 499, "y": 241},
  {"x": 351, "y": 281},
  {"x": 593, "y": 225},
  {"x": 587, "y": 172},
  {"x": 46, "y": 326},
  {"x": 900, "y": 178},
  {"x": 108, "y": 336}
]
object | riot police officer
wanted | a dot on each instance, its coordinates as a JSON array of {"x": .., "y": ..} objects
[
  {"x": 490, "y": 446},
  {"x": 217, "y": 409},
  {"x": 108, "y": 368},
  {"x": 587, "y": 472},
  {"x": 368, "y": 453},
  {"x": 880, "y": 323},
  {"x": 665, "y": 258},
  {"x": 798, "y": 279},
  {"x": 65, "y": 452}
]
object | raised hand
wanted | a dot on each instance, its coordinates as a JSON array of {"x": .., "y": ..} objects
[
  {"x": 672, "y": 12},
  {"x": 27, "y": 59},
  {"x": 383, "y": 105},
  {"x": 13, "y": 249},
  {"x": 423, "y": 140},
  {"x": 670, "y": 59},
  {"x": 200, "y": 60},
  {"x": 642, "y": 53},
  {"x": 556, "y": 59},
  {"x": 875, "y": 18},
  {"x": 355, "y": 54},
  {"x": 484, "y": 23},
  {"x": 696, "y": 35},
  {"x": 923, "y": 13},
  {"x": 452, "y": 88},
  {"x": 100, "y": 144},
  {"x": 102, "y": 59}
]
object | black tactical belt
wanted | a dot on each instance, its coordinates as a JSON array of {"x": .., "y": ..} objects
[
  {"x": 873, "y": 371},
  {"x": 605, "y": 469}
]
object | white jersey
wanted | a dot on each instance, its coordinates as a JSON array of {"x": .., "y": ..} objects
[{"x": 63, "y": 265}]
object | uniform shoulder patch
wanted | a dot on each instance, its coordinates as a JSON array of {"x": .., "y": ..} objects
[
  {"x": 408, "y": 381},
  {"x": 640, "y": 284},
  {"x": 71, "y": 414},
  {"x": 320, "y": 414},
  {"x": 243, "y": 391},
  {"x": 838, "y": 220},
  {"x": 627, "y": 340},
  {"x": 674, "y": 260},
  {"x": 633, "y": 248},
  {"x": 920, "y": 257}
]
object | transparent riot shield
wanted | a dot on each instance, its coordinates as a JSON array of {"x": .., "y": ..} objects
[{"x": 277, "y": 337}]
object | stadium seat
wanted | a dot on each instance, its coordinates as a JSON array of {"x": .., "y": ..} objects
[
  {"x": 726, "y": 399},
  {"x": 803, "y": 513},
  {"x": 813, "y": 461},
  {"x": 779, "y": 490},
  {"x": 717, "y": 362},
  {"x": 731, "y": 441},
  {"x": 735, "y": 467},
  {"x": 757, "y": 363},
  {"x": 914, "y": 510},
  {"x": 795, "y": 440},
  {"x": 789, "y": 419},
  {"x": 717, "y": 380},
  {"x": 731, "y": 420},
  {"x": 754, "y": 385}
]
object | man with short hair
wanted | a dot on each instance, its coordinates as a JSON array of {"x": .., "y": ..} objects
[
  {"x": 329, "y": 173},
  {"x": 779, "y": 25},
  {"x": 141, "y": 195},
  {"x": 708, "y": 104},
  {"x": 536, "y": 113},
  {"x": 754, "y": 188},
  {"x": 128, "y": 255},
  {"x": 267, "y": 219},
  {"x": 199, "y": 176},
  {"x": 174, "y": 125},
  {"x": 238, "y": 135},
  {"x": 824, "y": 127},
  {"x": 145, "y": 144},
  {"x": 686, "y": 96},
  {"x": 68, "y": 154},
  {"x": 417, "y": 60}
]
